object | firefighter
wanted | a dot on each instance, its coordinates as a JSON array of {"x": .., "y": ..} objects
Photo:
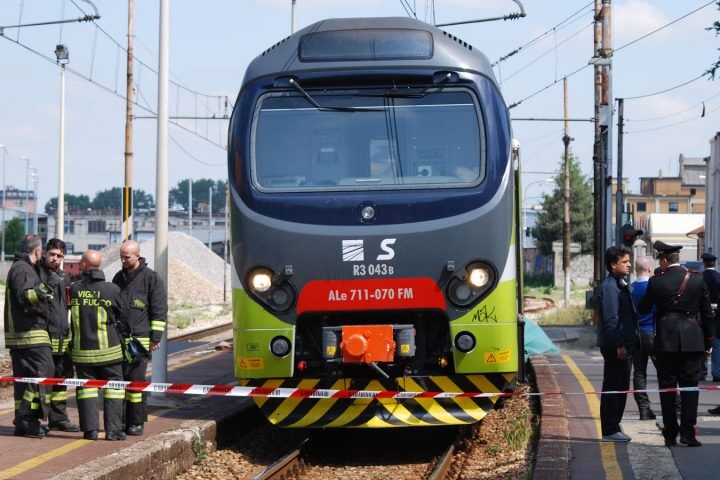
[
  {"x": 97, "y": 351},
  {"x": 146, "y": 301},
  {"x": 26, "y": 335},
  {"x": 59, "y": 329}
]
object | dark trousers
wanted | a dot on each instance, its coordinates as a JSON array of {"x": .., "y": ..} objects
[
  {"x": 30, "y": 399},
  {"x": 616, "y": 376},
  {"x": 642, "y": 354},
  {"x": 88, "y": 399},
  {"x": 135, "y": 413},
  {"x": 679, "y": 369},
  {"x": 58, "y": 396}
]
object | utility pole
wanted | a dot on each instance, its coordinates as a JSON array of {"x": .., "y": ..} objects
[
  {"x": 35, "y": 178},
  {"x": 4, "y": 193},
  {"x": 566, "y": 200},
  {"x": 619, "y": 200},
  {"x": 159, "y": 356},
  {"x": 292, "y": 16},
  {"x": 210, "y": 192},
  {"x": 127, "y": 203},
  {"x": 27, "y": 193},
  {"x": 608, "y": 105},
  {"x": 190, "y": 208}
]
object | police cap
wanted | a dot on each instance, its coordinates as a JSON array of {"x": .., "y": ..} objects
[
  {"x": 708, "y": 257},
  {"x": 664, "y": 248}
]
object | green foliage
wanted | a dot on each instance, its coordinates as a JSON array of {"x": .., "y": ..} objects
[
  {"x": 549, "y": 225},
  {"x": 520, "y": 431},
  {"x": 716, "y": 28},
  {"x": 14, "y": 233},
  {"x": 111, "y": 199},
  {"x": 573, "y": 315},
  {"x": 73, "y": 203},
  {"x": 200, "y": 190}
]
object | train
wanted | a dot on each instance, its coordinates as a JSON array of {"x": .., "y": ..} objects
[{"x": 374, "y": 226}]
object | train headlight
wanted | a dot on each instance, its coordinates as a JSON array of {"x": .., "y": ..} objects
[
  {"x": 468, "y": 285},
  {"x": 465, "y": 341},
  {"x": 261, "y": 280},
  {"x": 479, "y": 277},
  {"x": 280, "y": 346},
  {"x": 272, "y": 289}
]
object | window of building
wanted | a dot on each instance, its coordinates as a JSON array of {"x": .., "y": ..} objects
[
  {"x": 95, "y": 246},
  {"x": 673, "y": 207},
  {"x": 641, "y": 207},
  {"x": 70, "y": 226},
  {"x": 96, "y": 226}
]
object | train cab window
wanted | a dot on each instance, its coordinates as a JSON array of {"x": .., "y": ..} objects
[{"x": 433, "y": 140}]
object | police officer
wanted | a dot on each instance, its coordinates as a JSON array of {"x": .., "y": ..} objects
[
  {"x": 712, "y": 280},
  {"x": 97, "y": 351},
  {"x": 683, "y": 323},
  {"x": 59, "y": 330},
  {"x": 146, "y": 300},
  {"x": 26, "y": 335}
]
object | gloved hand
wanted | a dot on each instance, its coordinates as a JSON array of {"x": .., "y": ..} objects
[{"x": 44, "y": 292}]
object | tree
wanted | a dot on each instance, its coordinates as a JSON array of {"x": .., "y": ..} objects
[
  {"x": 200, "y": 190},
  {"x": 73, "y": 203},
  {"x": 111, "y": 199},
  {"x": 14, "y": 233},
  {"x": 549, "y": 225}
]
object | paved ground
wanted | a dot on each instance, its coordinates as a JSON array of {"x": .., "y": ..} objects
[
  {"x": 32, "y": 458},
  {"x": 577, "y": 368}
]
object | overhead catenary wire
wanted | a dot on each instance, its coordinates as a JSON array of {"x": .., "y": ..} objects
[
  {"x": 653, "y": 119},
  {"x": 631, "y": 42},
  {"x": 542, "y": 35},
  {"x": 662, "y": 127},
  {"x": 668, "y": 89}
]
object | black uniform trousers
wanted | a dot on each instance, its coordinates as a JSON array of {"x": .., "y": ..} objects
[
  {"x": 58, "y": 396},
  {"x": 88, "y": 399},
  {"x": 679, "y": 369},
  {"x": 616, "y": 376},
  {"x": 642, "y": 355},
  {"x": 31, "y": 400},
  {"x": 135, "y": 413}
]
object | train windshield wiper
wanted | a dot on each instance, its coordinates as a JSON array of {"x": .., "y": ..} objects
[{"x": 331, "y": 108}]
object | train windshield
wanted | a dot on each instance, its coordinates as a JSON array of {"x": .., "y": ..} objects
[{"x": 367, "y": 139}]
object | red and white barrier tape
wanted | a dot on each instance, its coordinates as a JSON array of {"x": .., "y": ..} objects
[{"x": 318, "y": 393}]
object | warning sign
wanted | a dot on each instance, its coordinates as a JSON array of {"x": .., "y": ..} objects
[
  {"x": 404, "y": 348},
  {"x": 330, "y": 351},
  {"x": 250, "y": 363},
  {"x": 501, "y": 356}
]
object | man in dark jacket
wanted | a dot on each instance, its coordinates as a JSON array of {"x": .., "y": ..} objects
[
  {"x": 59, "y": 331},
  {"x": 146, "y": 299},
  {"x": 712, "y": 281},
  {"x": 96, "y": 307},
  {"x": 26, "y": 335},
  {"x": 619, "y": 337},
  {"x": 683, "y": 325}
]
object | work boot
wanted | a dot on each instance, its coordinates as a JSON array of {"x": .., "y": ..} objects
[
  {"x": 134, "y": 430},
  {"x": 690, "y": 441},
  {"x": 715, "y": 411},
  {"x": 90, "y": 435},
  {"x": 30, "y": 433},
  {"x": 115, "y": 435},
  {"x": 64, "y": 426}
]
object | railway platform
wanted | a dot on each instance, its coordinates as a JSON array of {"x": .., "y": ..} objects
[
  {"x": 174, "y": 435},
  {"x": 570, "y": 445}
]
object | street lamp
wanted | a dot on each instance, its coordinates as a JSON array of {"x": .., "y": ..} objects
[
  {"x": 35, "y": 179},
  {"x": 27, "y": 192},
  {"x": 63, "y": 58}
]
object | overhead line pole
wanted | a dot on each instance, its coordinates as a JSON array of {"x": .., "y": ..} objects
[
  {"x": 619, "y": 194},
  {"x": 598, "y": 236},
  {"x": 127, "y": 204},
  {"x": 608, "y": 105},
  {"x": 566, "y": 201}
]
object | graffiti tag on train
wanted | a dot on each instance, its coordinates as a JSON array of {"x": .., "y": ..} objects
[{"x": 485, "y": 314}]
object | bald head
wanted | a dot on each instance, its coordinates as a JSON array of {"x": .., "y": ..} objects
[
  {"x": 644, "y": 266},
  {"x": 90, "y": 259},
  {"x": 130, "y": 255}
]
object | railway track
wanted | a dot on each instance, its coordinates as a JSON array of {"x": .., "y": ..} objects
[
  {"x": 288, "y": 466},
  {"x": 204, "y": 333}
]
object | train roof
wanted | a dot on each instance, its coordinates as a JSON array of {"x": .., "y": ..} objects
[{"x": 448, "y": 52}]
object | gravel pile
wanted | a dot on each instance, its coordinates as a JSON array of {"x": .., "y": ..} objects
[{"x": 195, "y": 274}]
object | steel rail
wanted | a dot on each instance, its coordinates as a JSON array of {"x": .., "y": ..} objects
[
  {"x": 441, "y": 470},
  {"x": 288, "y": 465}
]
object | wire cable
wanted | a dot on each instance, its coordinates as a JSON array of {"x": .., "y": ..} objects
[
  {"x": 541, "y": 36},
  {"x": 672, "y": 114},
  {"x": 674, "y": 124},
  {"x": 667, "y": 89}
]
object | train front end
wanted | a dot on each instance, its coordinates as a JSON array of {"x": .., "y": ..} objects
[{"x": 373, "y": 243}]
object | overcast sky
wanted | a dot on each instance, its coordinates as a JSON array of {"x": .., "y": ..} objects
[{"x": 213, "y": 41}]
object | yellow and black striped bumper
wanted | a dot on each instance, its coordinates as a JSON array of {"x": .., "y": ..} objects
[{"x": 382, "y": 413}]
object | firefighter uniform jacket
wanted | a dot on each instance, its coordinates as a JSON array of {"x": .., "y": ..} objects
[
  {"x": 26, "y": 313},
  {"x": 146, "y": 300},
  {"x": 58, "y": 324},
  {"x": 96, "y": 307}
]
